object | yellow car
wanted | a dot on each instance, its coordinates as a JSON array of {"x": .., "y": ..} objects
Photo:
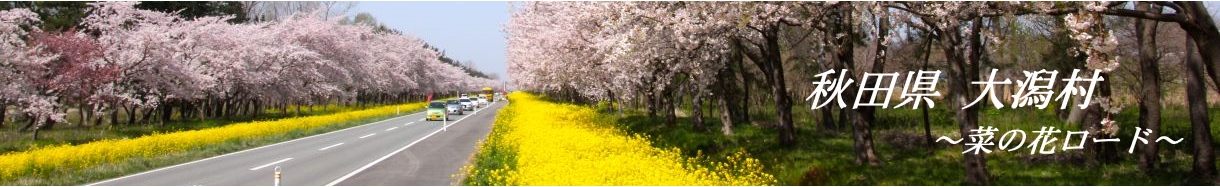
[{"x": 436, "y": 111}]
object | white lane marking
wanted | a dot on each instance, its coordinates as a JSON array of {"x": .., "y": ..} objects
[
  {"x": 242, "y": 151},
  {"x": 391, "y": 128},
  {"x": 328, "y": 147},
  {"x": 269, "y": 164},
  {"x": 366, "y": 166},
  {"x": 366, "y": 136},
  {"x": 409, "y": 123}
]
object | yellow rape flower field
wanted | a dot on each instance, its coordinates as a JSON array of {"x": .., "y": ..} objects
[
  {"x": 535, "y": 142},
  {"x": 69, "y": 157}
]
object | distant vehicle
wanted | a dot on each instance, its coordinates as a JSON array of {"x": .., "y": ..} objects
[
  {"x": 483, "y": 101},
  {"x": 454, "y": 107},
  {"x": 436, "y": 111},
  {"x": 467, "y": 105},
  {"x": 488, "y": 93}
]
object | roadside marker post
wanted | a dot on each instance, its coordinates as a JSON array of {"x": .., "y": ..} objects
[{"x": 277, "y": 175}]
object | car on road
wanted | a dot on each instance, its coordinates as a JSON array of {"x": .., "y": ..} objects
[
  {"x": 436, "y": 111},
  {"x": 483, "y": 101},
  {"x": 454, "y": 107},
  {"x": 467, "y": 105}
]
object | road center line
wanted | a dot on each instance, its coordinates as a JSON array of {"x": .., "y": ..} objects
[
  {"x": 366, "y": 136},
  {"x": 370, "y": 164},
  {"x": 328, "y": 147},
  {"x": 269, "y": 164},
  {"x": 391, "y": 128},
  {"x": 247, "y": 150}
]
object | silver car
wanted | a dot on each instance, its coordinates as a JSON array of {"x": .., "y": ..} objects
[
  {"x": 454, "y": 107},
  {"x": 467, "y": 105}
]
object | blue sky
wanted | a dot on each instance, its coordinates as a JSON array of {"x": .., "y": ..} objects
[{"x": 465, "y": 31}]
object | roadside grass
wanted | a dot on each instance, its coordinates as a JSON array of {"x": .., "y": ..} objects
[
  {"x": 12, "y": 139},
  {"x": 821, "y": 158},
  {"x": 494, "y": 156},
  {"x": 536, "y": 142},
  {"x": 85, "y": 169}
]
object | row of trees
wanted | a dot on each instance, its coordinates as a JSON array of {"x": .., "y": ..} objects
[
  {"x": 660, "y": 54},
  {"x": 154, "y": 66}
]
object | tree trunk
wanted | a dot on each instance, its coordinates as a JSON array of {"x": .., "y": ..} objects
[
  {"x": 726, "y": 91},
  {"x": 860, "y": 117},
  {"x": 3, "y": 114},
  {"x": 167, "y": 112},
  {"x": 114, "y": 114},
  {"x": 773, "y": 69},
  {"x": 726, "y": 117},
  {"x": 258, "y": 108},
  {"x": 697, "y": 112},
  {"x": 1150, "y": 89},
  {"x": 650, "y": 101},
  {"x": 722, "y": 94},
  {"x": 131, "y": 114},
  {"x": 30, "y": 125},
  {"x": 960, "y": 75},
  {"x": 770, "y": 62},
  {"x": 1076, "y": 114},
  {"x": 783, "y": 105},
  {"x": 99, "y": 115},
  {"x": 84, "y": 118},
  {"x": 742, "y": 108},
  {"x": 741, "y": 93},
  {"x": 1196, "y": 97},
  {"x": 200, "y": 110},
  {"x": 828, "y": 121},
  {"x": 1103, "y": 152},
  {"x": 927, "y": 121},
  {"x": 147, "y": 117},
  {"x": 671, "y": 102},
  {"x": 1203, "y": 31},
  {"x": 842, "y": 119}
]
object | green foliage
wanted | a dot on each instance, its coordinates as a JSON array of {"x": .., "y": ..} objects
[
  {"x": 194, "y": 9},
  {"x": 55, "y": 15},
  {"x": 827, "y": 159},
  {"x": 64, "y": 15},
  {"x": 445, "y": 59}
]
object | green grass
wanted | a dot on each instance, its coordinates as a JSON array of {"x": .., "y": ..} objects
[
  {"x": 492, "y": 155},
  {"x": 140, "y": 164},
  {"x": 827, "y": 159}
]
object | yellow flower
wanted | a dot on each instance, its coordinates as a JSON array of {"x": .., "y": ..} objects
[
  {"x": 563, "y": 144},
  {"x": 35, "y": 161}
]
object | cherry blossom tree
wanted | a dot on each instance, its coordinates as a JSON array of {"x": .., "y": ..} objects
[
  {"x": 1085, "y": 21},
  {"x": 22, "y": 69},
  {"x": 153, "y": 64},
  {"x": 72, "y": 76},
  {"x": 649, "y": 51}
]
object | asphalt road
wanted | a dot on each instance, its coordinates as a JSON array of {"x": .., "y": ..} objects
[{"x": 404, "y": 150}]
